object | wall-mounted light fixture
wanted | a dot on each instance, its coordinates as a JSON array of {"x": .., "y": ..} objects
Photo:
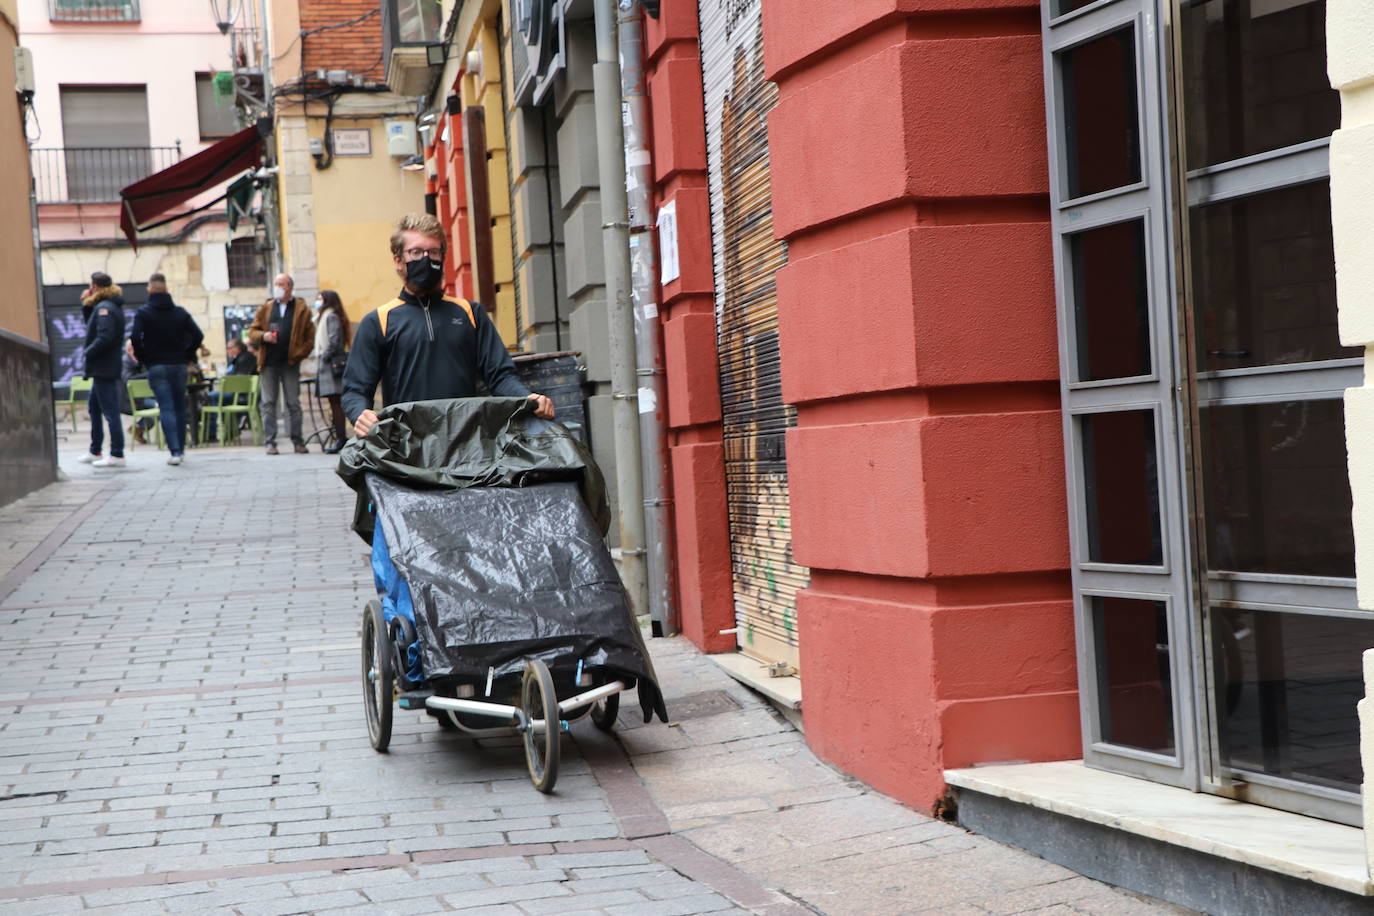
[
  {"x": 226, "y": 13},
  {"x": 413, "y": 163}
]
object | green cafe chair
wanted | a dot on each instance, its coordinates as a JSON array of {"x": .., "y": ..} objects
[
  {"x": 78, "y": 393},
  {"x": 229, "y": 412},
  {"x": 139, "y": 389}
]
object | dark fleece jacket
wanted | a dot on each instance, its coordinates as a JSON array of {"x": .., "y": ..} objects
[
  {"x": 104, "y": 333},
  {"x": 164, "y": 333}
]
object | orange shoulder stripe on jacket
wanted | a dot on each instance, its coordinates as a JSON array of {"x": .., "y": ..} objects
[
  {"x": 465, "y": 306},
  {"x": 384, "y": 310}
]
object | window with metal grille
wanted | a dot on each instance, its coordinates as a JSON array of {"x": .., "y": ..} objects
[
  {"x": 93, "y": 10},
  {"x": 246, "y": 265}
]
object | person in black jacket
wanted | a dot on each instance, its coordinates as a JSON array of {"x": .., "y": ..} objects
[
  {"x": 238, "y": 361},
  {"x": 165, "y": 339},
  {"x": 104, "y": 302},
  {"x": 424, "y": 345}
]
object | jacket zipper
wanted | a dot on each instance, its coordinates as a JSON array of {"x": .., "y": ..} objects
[{"x": 429, "y": 324}]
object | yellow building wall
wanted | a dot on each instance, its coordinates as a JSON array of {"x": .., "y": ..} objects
[
  {"x": 357, "y": 201},
  {"x": 488, "y": 93},
  {"x": 19, "y": 304}
]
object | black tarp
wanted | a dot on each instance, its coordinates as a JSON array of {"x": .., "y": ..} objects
[
  {"x": 469, "y": 442},
  {"x": 495, "y": 519}
]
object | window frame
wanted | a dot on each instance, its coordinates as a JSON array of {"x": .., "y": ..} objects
[
  {"x": 1176, "y": 391},
  {"x": 200, "y": 118}
]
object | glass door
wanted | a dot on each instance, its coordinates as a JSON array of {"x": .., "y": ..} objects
[
  {"x": 1280, "y": 635},
  {"x": 1202, "y": 382},
  {"x": 1110, "y": 193}
]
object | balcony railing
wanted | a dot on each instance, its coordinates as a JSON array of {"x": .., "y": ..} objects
[
  {"x": 245, "y": 49},
  {"x": 95, "y": 175},
  {"x": 93, "y": 10}
]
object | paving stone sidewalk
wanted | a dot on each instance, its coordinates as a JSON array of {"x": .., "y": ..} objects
[{"x": 181, "y": 732}]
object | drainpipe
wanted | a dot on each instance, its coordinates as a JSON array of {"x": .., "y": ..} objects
[
  {"x": 38, "y": 287},
  {"x": 658, "y": 519},
  {"x": 610, "y": 155}
]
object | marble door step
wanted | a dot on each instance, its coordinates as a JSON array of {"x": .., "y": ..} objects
[{"x": 1300, "y": 847}]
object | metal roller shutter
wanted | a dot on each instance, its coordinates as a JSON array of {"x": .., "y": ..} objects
[{"x": 738, "y": 99}]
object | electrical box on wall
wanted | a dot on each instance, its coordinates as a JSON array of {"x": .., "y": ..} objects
[
  {"x": 23, "y": 72},
  {"x": 400, "y": 137}
]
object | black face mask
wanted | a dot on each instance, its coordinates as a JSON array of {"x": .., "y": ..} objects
[{"x": 425, "y": 274}]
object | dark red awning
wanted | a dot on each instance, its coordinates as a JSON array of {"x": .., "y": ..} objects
[{"x": 145, "y": 200}]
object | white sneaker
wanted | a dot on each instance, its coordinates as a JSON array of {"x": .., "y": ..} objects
[
  {"x": 175, "y": 459},
  {"x": 88, "y": 458},
  {"x": 110, "y": 462}
]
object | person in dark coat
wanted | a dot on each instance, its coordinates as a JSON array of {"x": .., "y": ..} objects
[
  {"x": 239, "y": 362},
  {"x": 133, "y": 369},
  {"x": 104, "y": 302},
  {"x": 165, "y": 339},
  {"x": 332, "y": 337},
  {"x": 424, "y": 345}
]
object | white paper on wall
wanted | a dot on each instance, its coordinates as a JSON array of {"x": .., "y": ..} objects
[{"x": 667, "y": 242}]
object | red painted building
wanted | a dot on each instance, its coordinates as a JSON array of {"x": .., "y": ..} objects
[
  {"x": 1003, "y": 394},
  {"x": 916, "y": 331}
]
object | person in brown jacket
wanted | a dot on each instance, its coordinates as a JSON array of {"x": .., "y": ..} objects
[{"x": 284, "y": 330}]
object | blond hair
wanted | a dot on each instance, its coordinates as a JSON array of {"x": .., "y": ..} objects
[{"x": 423, "y": 223}]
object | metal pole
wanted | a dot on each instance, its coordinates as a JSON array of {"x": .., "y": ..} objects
[
  {"x": 269, "y": 192},
  {"x": 658, "y": 513},
  {"x": 610, "y": 155}
]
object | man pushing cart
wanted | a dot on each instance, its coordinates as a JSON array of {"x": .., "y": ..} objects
[{"x": 496, "y": 593}]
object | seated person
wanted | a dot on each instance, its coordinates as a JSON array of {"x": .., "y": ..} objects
[
  {"x": 239, "y": 362},
  {"x": 132, "y": 368}
]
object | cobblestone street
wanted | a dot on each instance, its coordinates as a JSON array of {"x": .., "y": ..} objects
[{"x": 182, "y": 732}]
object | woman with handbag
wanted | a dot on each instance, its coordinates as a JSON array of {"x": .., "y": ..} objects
[{"x": 332, "y": 337}]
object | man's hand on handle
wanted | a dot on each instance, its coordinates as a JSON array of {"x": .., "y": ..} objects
[
  {"x": 363, "y": 425},
  {"x": 543, "y": 409}
]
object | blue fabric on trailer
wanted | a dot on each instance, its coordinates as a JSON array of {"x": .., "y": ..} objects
[{"x": 395, "y": 596}]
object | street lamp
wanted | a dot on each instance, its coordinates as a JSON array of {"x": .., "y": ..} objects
[{"x": 227, "y": 16}]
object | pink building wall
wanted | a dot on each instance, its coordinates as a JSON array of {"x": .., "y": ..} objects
[{"x": 175, "y": 40}]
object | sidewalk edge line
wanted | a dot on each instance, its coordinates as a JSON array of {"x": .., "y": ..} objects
[{"x": 45, "y": 548}]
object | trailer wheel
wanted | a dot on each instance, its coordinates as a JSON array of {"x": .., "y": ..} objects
[
  {"x": 539, "y": 703},
  {"x": 604, "y": 712},
  {"x": 378, "y": 677}
]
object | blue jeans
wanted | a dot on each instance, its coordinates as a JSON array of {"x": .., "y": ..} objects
[
  {"x": 169, "y": 387},
  {"x": 104, "y": 402}
]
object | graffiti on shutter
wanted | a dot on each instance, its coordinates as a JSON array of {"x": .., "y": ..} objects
[{"x": 754, "y": 418}]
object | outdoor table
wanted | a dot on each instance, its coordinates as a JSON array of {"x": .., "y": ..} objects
[
  {"x": 322, "y": 433},
  {"x": 196, "y": 394}
]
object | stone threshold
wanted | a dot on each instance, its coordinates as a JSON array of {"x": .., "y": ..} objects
[
  {"x": 1303, "y": 848},
  {"x": 785, "y": 693}
]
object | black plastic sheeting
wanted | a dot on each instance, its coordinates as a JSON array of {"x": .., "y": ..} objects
[
  {"x": 487, "y": 515},
  {"x": 469, "y": 442}
]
